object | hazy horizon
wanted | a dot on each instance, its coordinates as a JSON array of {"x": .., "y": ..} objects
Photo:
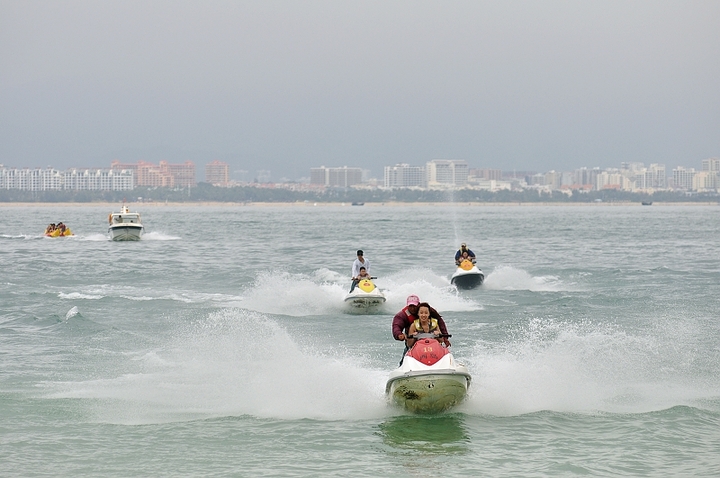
[{"x": 285, "y": 86}]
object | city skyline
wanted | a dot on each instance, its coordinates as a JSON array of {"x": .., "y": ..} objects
[
  {"x": 456, "y": 174},
  {"x": 291, "y": 85}
]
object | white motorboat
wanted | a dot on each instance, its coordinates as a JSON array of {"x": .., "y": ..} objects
[
  {"x": 125, "y": 225},
  {"x": 429, "y": 379},
  {"x": 467, "y": 276},
  {"x": 366, "y": 297}
]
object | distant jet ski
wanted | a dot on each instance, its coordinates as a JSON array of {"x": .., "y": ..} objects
[
  {"x": 467, "y": 276},
  {"x": 429, "y": 379},
  {"x": 366, "y": 297}
]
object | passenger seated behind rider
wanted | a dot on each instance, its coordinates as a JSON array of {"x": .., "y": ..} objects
[
  {"x": 464, "y": 253},
  {"x": 50, "y": 228},
  {"x": 424, "y": 324}
]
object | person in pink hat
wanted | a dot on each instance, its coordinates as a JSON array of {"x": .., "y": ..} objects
[{"x": 403, "y": 319}]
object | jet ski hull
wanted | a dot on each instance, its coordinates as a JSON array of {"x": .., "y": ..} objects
[
  {"x": 429, "y": 392},
  {"x": 471, "y": 279},
  {"x": 364, "y": 302},
  {"x": 428, "y": 380},
  {"x": 365, "y": 297}
]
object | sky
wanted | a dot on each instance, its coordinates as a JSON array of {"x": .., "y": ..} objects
[{"x": 284, "y": 86}]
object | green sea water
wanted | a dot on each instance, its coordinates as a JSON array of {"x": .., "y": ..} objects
[{"x": 219, "y": 346}]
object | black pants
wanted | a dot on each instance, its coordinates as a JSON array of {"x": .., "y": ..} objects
[{"x": 404, "y": 352}]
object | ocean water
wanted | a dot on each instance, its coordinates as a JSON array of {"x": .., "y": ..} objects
[{"x": 218, "y": 345}]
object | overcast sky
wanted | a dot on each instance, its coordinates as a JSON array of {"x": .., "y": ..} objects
[{"x": 289, "y": 85}]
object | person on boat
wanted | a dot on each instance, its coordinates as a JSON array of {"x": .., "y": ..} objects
[
  {"x": 403, "y": 320},
  {"x": 424, "y": 324},
  {"x": 361, "y": 261},
  {"x": 61, "y": 227},
  {"x": 459, "y": 254},
  {"x": 50, "y": 228}
]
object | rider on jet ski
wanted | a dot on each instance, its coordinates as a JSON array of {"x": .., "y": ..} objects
[
  {"x": 359, "y": 263},
  {"x": 464, "y": 253},
  {"x": 404, "y": 319}
]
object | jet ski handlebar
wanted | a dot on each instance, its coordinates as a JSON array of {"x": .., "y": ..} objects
[{"x": 428, "y": 336}]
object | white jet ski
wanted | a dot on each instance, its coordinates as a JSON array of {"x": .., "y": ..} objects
[
  {"x": 429, "y": 379},
  {"x": 365, "y": 297},
  {"x": 467, "y": 276}
]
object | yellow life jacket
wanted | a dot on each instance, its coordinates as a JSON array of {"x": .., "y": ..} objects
[{"x": 419, "y": 329}]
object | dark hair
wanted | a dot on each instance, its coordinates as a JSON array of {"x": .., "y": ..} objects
[
  {"x": 434, "y": 314},
  {"x": 362, "y": 268},
  {"x": 424, "y": 304},
  {"x": 359, "y": 252}
]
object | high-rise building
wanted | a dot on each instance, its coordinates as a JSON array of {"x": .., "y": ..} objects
[
  {"x": 72, "y": 179},
  {"x": 163, "y": 175},
  {"x": 404, "y": 176},
  {"x": 683, "y": 178},
  {"x": 711, "y": 164},
  {"x": 183, "y": 174},
  {"x": 217, "y": 173},
  {"x": 91, "y": 179},
  {"x": 336, "y": 177},
  {"x": 449, "y": 172}
]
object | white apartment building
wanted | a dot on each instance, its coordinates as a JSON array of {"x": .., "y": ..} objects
[
  {"x": 553, "y": 179},
  {"x": 27, "y": 179},
  {"x": 446, "y": 172},
  {"x": 651, "y": 178},
  {"x": 336, "y": 177},
  {"x": 38, "y": 179},
  {"x": 99, "y": 179},
  {"x": 683, "y": 178},
  {"x": 613, "y": 179},
  {"x": 704, "y": 181},
  {"x": 711, "y": 164},
  {"x": 403, "y": 175}
]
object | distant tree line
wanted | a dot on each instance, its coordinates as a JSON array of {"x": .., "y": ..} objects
[{"x": 244, "y": 194}]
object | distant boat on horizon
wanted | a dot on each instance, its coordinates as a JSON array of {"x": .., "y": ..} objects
[
  {"x": 358, "y": 204},
  {"x": 647, "y": 203}
]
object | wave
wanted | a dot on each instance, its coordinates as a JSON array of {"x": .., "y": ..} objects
[
  {"x": 145, "y": 294},
  {"x": 95, "y": 238},
  {"x": 510, "y": 278},
  {"x": 79, "y": 295},
  {"x": 159, "y": 236},
  {"x": 585, "y": 368},
  {"x": 280, "y": 292},
  {"x": 236, "y": 362},
  {"x": 217, "y": 367}
]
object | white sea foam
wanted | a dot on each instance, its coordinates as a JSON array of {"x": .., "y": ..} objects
[
  {"x": 323, "y": 291},
  {"x": 511, "y": 278},
  {"x": 580, "y": 367},
  {"x": 159, "y": 236},
  {"x": 79, "y": 295},
  {"x": 95, "y": 238},
  {"x": 216, "y": 367}
]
